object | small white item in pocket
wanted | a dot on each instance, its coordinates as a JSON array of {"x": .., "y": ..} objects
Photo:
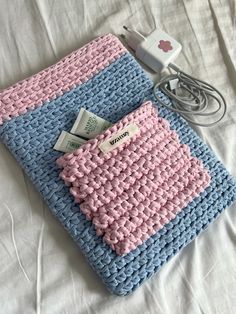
[
  {"x": 89, "y": 125},
  {"x": 119, "y": 138},
  {"x": 68, "y": 142}
]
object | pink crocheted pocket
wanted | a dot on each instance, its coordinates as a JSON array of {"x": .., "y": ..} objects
[{"x": 134, "y": 178}]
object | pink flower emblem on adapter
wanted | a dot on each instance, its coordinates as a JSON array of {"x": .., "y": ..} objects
[{"x": 165, "y": 45}]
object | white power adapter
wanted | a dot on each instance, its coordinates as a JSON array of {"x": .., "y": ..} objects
[
  {"x": 190, "y": 96},
  {"x": 157, "y": 50}
]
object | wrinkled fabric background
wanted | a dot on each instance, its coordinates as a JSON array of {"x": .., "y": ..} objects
[{"x": 50, "y": 274}]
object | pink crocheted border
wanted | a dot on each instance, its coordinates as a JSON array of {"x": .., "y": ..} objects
[
  {"x": 133, "y": 191},
  {"x": 71, "y": 71}
]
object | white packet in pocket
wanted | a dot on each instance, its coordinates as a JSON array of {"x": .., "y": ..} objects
[
  {"x": 68, "y": 142},
  {"x": 89, "y": 125}
]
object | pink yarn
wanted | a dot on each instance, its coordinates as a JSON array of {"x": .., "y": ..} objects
[
  {"x": 133, "y": 191},
  {"x": 73, "y": 70}
]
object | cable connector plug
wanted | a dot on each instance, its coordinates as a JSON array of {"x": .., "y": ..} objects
[{"x": 133, "y": 38}]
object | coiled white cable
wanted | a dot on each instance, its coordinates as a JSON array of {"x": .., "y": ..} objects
[{"x": 190, "y": 96}]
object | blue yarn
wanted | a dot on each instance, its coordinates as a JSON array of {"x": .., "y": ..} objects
[{"x": 117, "y": 90}]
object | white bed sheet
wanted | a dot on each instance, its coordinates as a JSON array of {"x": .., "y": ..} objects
[{"x": 51, "y": 275}]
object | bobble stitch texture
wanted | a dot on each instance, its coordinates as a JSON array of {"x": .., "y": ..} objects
[{"x": 176, "y": 179}]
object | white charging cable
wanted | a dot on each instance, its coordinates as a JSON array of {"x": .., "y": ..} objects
[{"x": 190, "y": 96}]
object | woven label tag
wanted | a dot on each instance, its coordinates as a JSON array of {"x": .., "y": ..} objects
[{"x": 119, "y": 138}]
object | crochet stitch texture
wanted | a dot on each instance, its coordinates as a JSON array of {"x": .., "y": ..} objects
[
  {"x": 133, "y": 191},
  {"x": 114, "y": 90}
]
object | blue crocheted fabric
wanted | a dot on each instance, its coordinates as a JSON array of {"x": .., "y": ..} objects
[{"x": 114, "y": 91}]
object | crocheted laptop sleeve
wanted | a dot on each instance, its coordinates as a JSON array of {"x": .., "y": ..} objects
[
  {"x": 105, "y": 79},
  {"x": 134, "y": 189}
]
